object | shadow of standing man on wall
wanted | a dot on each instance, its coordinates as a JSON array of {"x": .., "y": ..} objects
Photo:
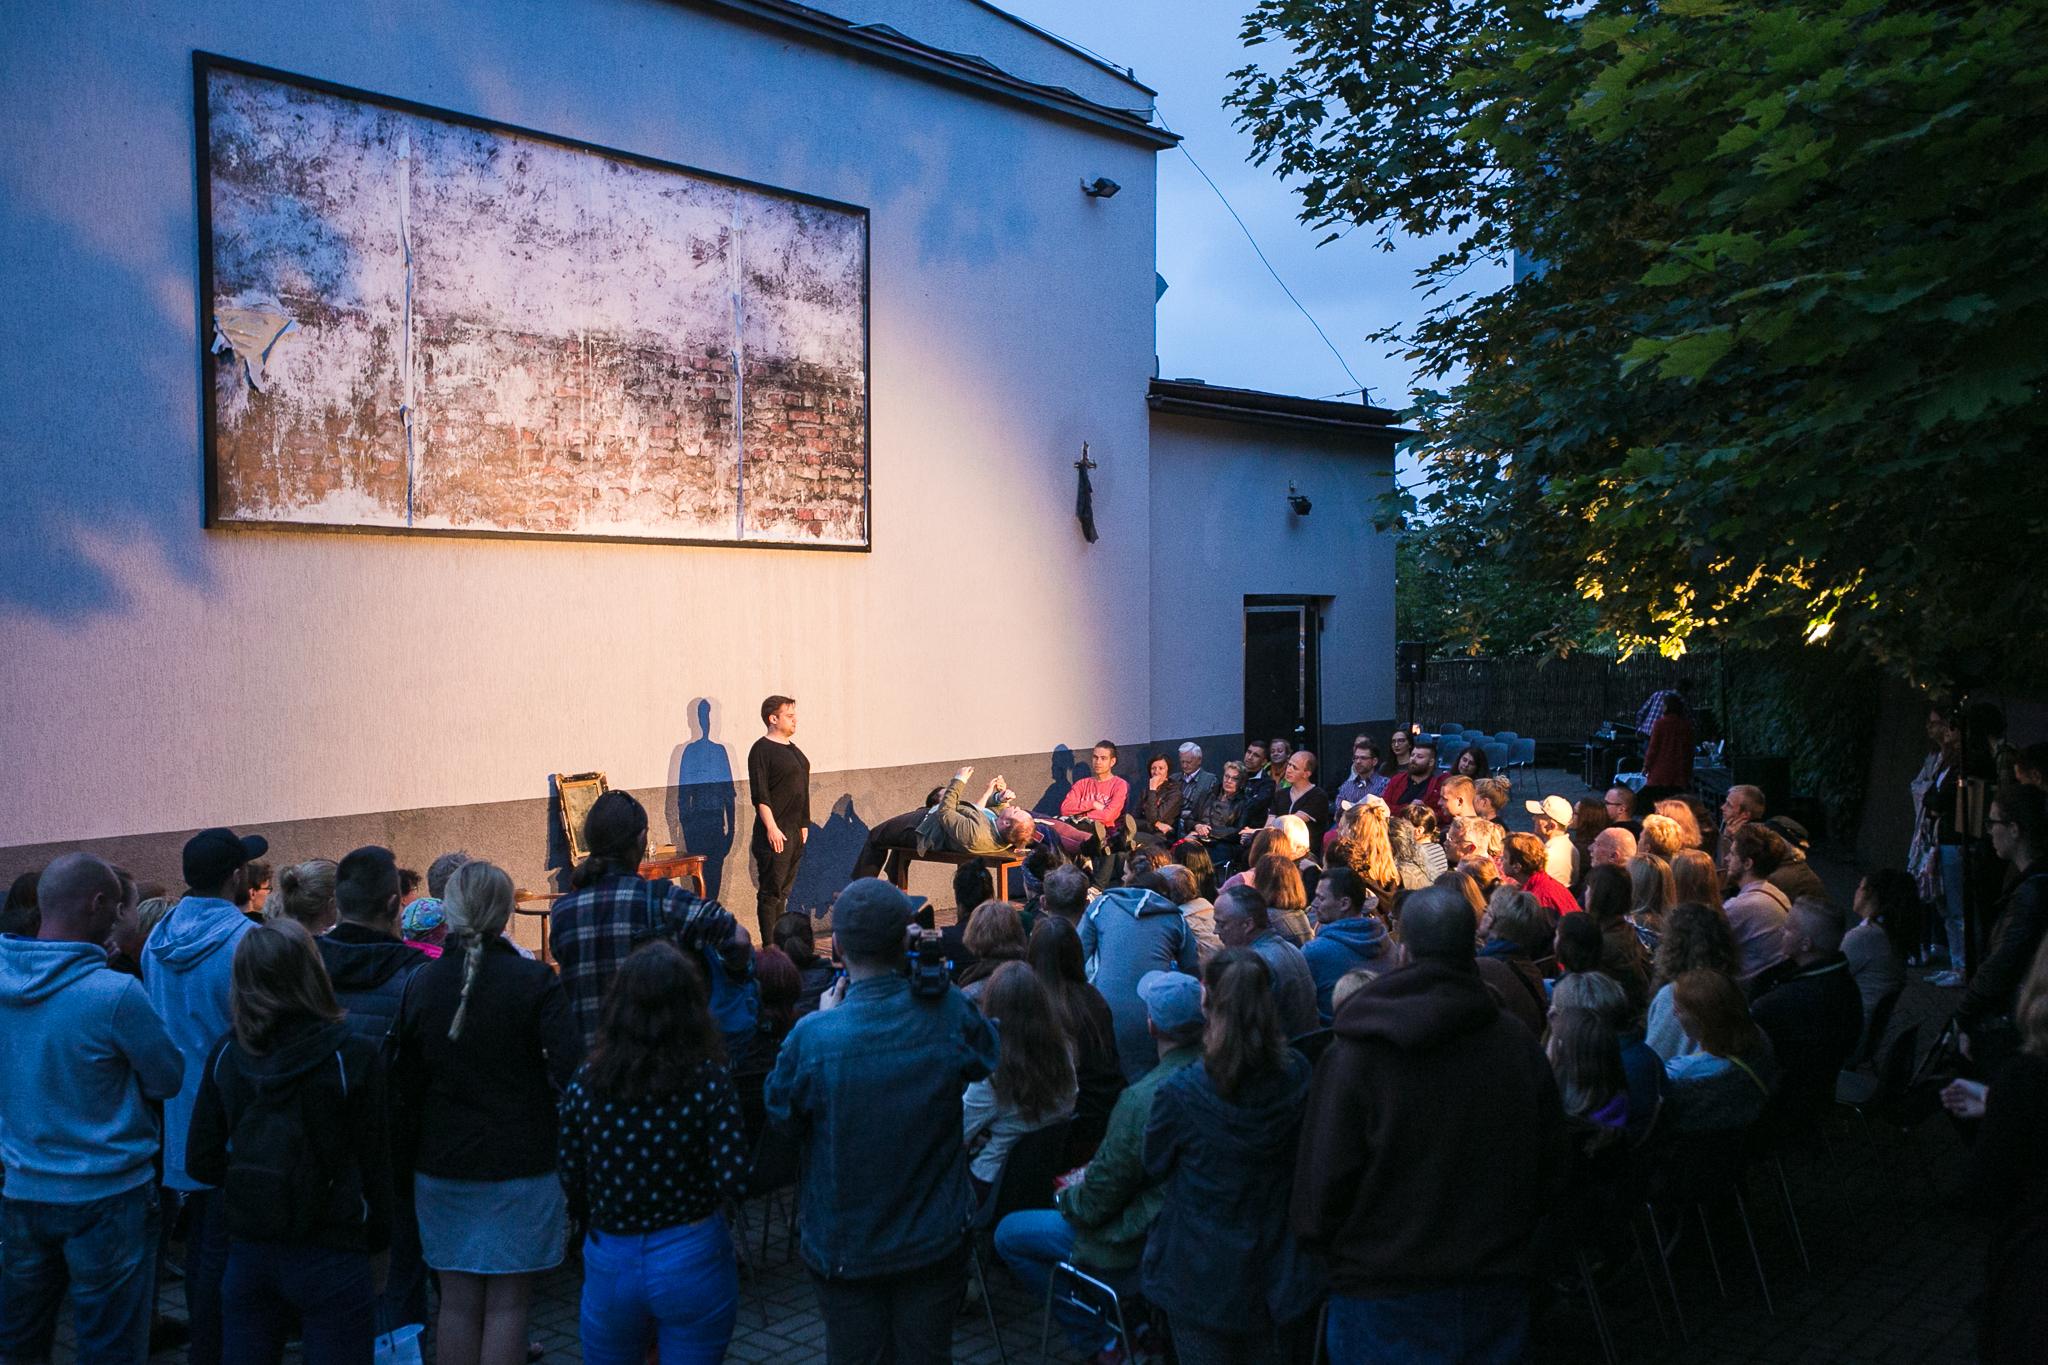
[
  {"x": 704, "y": 799},
  {"x": 828, "y": 859}
]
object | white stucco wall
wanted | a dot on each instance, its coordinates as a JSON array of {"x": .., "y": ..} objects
[
  {"x": 159, "y": 676},
  {"x": 1222, "y": 531}
]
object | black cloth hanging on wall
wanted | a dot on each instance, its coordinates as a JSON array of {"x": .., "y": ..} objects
[{"x": 1084, "y": 497}]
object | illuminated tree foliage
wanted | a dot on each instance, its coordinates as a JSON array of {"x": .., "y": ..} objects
[{"x": 1779, "y": 371}]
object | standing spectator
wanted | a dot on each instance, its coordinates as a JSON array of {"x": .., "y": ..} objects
[
  {"x": 1523, "y": 861},
  {"x": 187, "y": 972},
  {"x": 486, "y": 1043},
  {"x": 1756, "y": 912},
  {"x": 1127, "y": 932},
  {"x": 796, "y": 937},
  {"x": 1241, "y": 922},
  {"x": 1551, "y": 818},
  {"x": 1812, "y": 1013},
  {"x": 1696, "y": 938},
  {"x": 255, "y": 893},
  {"x": 654, "y": 1098},
  {"x": 610, "y": 911},
  {"x": 1086, "y": 1023},
  {"x": 1667, "y": 758},
  {"x": 293, "y": 1125},
  {"x": 84, "y": 1063},
  {"x": 305, "y": 893},
  {"x": 1430, "y": 1152},
  {"x": 370, "y": 967},
  {"x": 779, "y": 785},
  {"x": 1946, "y": 840},
  {"x": 18, "y": 917},
  {"x": 1197, "y": 785},
  {"x": 1364, "y": 777},
  {"x": 1103, "y": 1215},
  {"x": 884, "y": 1199},
  {"x": 1301, "y": 796},
  {"x": 1159, "y": 804},
  {"x": 1725, "y": 1080},
  {"x": 1278, "y": 882},
  {"x": 1346, "y": 936},
  {"x": 2018, "y": 826},
  {"x": 1884, "y": 906},
  {"x": 1220, "y": 1261},
  {"x": 1033, "y": 1084}
]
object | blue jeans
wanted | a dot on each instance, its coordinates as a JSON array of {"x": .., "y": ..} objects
[
  {"x": 679, "y": 1286},
  {"x": 1472, "y": 1324},
  {"x": 1953, "y": 870},
  {"x": 1031, "y": 1243},
  {"x": 271, "y": 1285},
  {"x": 103, "y": 1251},
  {"x": 206, "y": 1262}
]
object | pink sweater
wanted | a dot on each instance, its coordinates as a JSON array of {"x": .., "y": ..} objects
[{"x": 1111, "y": 791}]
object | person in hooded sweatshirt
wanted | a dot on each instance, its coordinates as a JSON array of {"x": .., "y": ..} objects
[
  {"x": 1346, "y": 937},
  {"x": 1220, "y": 1261},
  {"x": 1432, "y": 1145},
  {"x": 85, "y": 1058},
  {"x": 187, "y": 972},
  {"x": 292, "y": 1127},
  {"x": 370, "y": 966},
  {"x": 1126, "y": 932}
]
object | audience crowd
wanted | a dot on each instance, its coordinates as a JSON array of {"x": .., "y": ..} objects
[{"x": 1250, "y": 1049}]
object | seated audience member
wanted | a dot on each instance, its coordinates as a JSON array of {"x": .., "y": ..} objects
[
  {"x": 610, "y": 911},
  {"x": 1622, "y": 955},
  {"x": 2008, "y": 1181},
  {"x": 1094, "y": 806},
  {"x": 1871, "y": 945},
  {"x": 994, "y": 935},
  {"x": 18, "y": 917},
  {"x": 1400, "y": 746},
  {"x": 1278, "y": 882},
  {"x": 86, "y": 1062},
  {"x": 1364, "y": 777},
  {"x": 1589, "y": 819},
  {"x": 1454, "y": 800},
  {"x": 1473, "y": 840},
  {"x": 1198, "y": 911},
  {"x": 884, "y": 1196},
  {"x": 1219, "y": 820},
  {"x": 2018, "y": 826},
  {"x": 1517, "y": 930},
  {"x": 305, "y": 893},
  {"x": 1352, "y": 982},
  {"x": 1220, "y": 1261},
  {"x": 1795, "y": 876},
  {"x": 1412, "y": 838},
  {"x": 797, "y": 937},
  {"x": 1580, "y": 944},
  {"x": 1621, "y": 809},
  {"x": 1260, "y": 777},
  {"x": 1086, "y": 1023},
  {"x": 1197, "y": 785},
  {"x": 1263, "y": 842},
  {"x": 1812, "y": 1012},
  {"x": 1241, "y": 922},
  {"x": 1696, "y": 938},
  {"x": 1362, "y": 844},
  {"x": 1694, "y": 876},
  {"x": 1725, "y": 1082},
  {"x": 1585, "y": 1056},
  {"x": 972, "y": 885},
  {"x": 1652, "y": 892},
  {"x": 657, "y": 1258},
  {"x": 1066, "y": 893},
  {"x": 1104, "y": 1213},
  {"x": 1346, "y": 937},
  {"x": 1523, "y": 862},
  {"x": 293, "y": 1128},
  {"x": 1661, "y": 836},
  {"x": 1613, "y": 846},
  {"x": 1127, "y": 932},
  {"x": 1472, "y": 763},
  {"x": 1679, "y": 811},
  {"x": 1159, "y": 803},
  {"x": 782, "y": 986},
  {"x": 1551, "y": 818},
  {"x": 1603, "y": 995},
  {"x": 1743, "y": 804},
  {"x": 486, "y": 1041},
  {"x": 1300, "y": 796},
  {"x": 1432, "y": 1141},
  {"x": 1756, "y": 912},
  {"x": 1142, "y": 860},
  {"x": 1418, "y": 782},
  {"x": 1201, "y": 866},
  {"x": 1490, "y": 797},
  {"x": 1033, "y": 1085}
]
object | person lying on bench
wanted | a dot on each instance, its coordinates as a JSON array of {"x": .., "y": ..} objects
[{"x": 973, "y": 828}]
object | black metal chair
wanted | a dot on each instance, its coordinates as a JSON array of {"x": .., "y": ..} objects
[
  {"x": 1026, "y": 1182},
  {"x": 1089, "y": 1295}
]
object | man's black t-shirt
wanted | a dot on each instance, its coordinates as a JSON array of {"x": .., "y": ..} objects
[{"x": 779, "y": 777}]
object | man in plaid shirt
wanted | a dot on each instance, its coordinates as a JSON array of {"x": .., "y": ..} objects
[{"x": 611, "y": 911}]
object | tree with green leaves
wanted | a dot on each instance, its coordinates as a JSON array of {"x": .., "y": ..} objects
[{"x": 1776, "y": 369}]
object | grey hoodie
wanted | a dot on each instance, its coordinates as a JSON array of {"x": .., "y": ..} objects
[
  {"x": 1125, "y": 933},
  {"x": 83, "y": 1053},
  {"x": 187, "y": 966}
]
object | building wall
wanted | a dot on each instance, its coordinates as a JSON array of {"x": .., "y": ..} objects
[
  {"x": 1222, "y": 531},
  {"x": 157, "y": 677}
]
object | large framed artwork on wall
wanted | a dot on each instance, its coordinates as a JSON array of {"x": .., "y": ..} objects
[{"x": 422, "y": 321}]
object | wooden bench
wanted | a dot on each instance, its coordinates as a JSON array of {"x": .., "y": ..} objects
[{"x": 1000, "y": 865}]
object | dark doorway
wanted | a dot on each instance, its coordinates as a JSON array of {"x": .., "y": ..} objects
[{"x": 1283, "y": 669}]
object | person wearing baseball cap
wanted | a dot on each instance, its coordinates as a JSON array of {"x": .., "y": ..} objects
[
  {"x": 189, "y": 959},
  {"x": 1102, "y": 1218},
  {"x": 1552, "y": 817},
  {"x": 871, "y": 1084}
]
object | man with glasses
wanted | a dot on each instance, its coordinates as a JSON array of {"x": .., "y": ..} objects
[{"x": 1621, "y": 810}]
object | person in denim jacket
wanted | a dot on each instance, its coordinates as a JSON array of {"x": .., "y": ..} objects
[{"x": 870, "y": 1087}]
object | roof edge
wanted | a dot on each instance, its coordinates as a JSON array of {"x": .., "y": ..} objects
[
  {"x": 1221, "y": 403},
  {"x": 1128, "y": 75}
]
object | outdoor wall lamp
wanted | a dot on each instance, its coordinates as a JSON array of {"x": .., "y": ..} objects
[
  {"x": 1101, "y": 187},
  {"x": 1298, "y": 503}
]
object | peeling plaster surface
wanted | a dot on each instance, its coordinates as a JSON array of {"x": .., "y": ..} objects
[{"x": 582, "y": 330}]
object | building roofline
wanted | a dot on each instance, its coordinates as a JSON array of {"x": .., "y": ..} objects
[
  {"x": 1216, "y": 402},
  {"x": 1128, "y": 75},
  {"x": 888, "y": 47}
]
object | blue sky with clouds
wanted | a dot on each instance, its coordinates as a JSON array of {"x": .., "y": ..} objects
[{"x": 1223, "y": 318}]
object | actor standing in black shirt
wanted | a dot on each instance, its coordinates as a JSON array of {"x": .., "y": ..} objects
[{"x": 779, "y": 780}]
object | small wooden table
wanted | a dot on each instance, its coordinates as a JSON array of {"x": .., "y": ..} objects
[
  {"x": 537, "y": 905},
  {"x": 678, "y": 867}
]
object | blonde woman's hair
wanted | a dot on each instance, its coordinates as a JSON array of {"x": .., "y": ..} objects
[
  {"x": 478, "y": 903},
  {"x": 1366, "y": 845},
  {"x": 304, "y": 892},
  {"x": 1680, "y": 813},
  {"x": 2030, "y": 1016},
  {"x": 150, "y": 913},
  {"x": 1652, "y": 888},
  {"x": 1662, "y": 836}
]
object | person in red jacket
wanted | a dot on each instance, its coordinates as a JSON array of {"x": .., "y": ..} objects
[{"x": 1667, "y": 762}]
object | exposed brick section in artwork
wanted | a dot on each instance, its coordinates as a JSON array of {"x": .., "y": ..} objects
[{"x": 805, "y": 438}]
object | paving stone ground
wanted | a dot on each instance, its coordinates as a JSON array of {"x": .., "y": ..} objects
[{"x": 1896, "y": 1263}]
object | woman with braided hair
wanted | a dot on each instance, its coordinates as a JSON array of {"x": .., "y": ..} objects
[{"x": 486, "y": 1044}]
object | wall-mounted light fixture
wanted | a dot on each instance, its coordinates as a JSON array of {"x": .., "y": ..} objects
[
  {"x": 1297, "y": 503},
  {"x": 1101, "y": 187}
]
